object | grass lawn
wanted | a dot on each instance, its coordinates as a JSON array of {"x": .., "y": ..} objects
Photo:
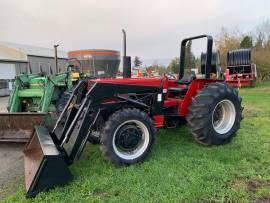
[{"x": 179, "y": 169}]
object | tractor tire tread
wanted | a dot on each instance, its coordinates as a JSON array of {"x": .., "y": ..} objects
[
  {"x": 115, "y": 120},
  {"x": 200, "y": 113}
]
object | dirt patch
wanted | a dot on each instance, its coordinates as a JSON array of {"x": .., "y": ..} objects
[
  {"x": 3, "y": 104},
  {"x": 99, "y": 192},
  {"x": 252, "y": 111},
  {"x": 263, "y": 200},
  {"x": 11, "y": 187},
  {"x": 11, "y": 168},
  {"x": 253, "y": 185},
  {"x": 238, "y": 182}
]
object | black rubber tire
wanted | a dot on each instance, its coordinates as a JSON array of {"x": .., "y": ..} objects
[
  {"x": 201, "y": 109},
  {"x": 94, "y": 139},
  {"x": 215, "y": 62},
  {"x": 61, "y": 103},
  {"x": 239, "y": 57},
  {"x": 115, "y": 120}
]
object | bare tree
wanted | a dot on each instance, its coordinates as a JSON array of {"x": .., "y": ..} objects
[{"x": 226, "y": 41}]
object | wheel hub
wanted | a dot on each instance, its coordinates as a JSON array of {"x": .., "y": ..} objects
[
  {"x": 128, "y": 137},
  {"x": 223, "y": 117},
  {"x": 131, "y": 139}
]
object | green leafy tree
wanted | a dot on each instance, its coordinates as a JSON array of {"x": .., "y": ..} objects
[
  {"x": 246, "y": 42},
  {"x": 157, "y": 68},
  {"x": 225, "y": 42},
  {"x": 174, "y": 65},
  {"x": 137, "y": 61}
]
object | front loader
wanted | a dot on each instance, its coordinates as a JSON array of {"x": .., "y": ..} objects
[
  {"x": 126, "y": 113},
  {"x": 33, "y": 96},
  {"x": 38, "y": 92}
]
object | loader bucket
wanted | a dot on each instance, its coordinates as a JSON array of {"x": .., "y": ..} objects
[
  {"x": 44, "y": 165},
  {"x": 18, "y": 127}
]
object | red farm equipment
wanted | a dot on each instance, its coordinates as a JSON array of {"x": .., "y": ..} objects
[
  {"x": 125, "y": 114},
  {"x": 240, "y": 72},
  {"x": 216, "y": 71}
]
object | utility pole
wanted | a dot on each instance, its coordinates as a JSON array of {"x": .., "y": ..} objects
[{"x": 56, "y": 57}]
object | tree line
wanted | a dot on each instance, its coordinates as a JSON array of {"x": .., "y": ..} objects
[{"x": 258, "y": 41}]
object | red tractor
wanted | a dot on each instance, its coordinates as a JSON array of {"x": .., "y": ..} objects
[
  {"x": 125, "y": 114},
  {"x": 240, "y": 72}
]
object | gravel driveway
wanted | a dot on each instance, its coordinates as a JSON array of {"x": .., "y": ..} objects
[
  {"x": 11, "y": 162},
  {"x": 3, "y": 104}
]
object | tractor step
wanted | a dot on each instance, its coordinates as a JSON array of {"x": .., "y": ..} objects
[{"x": 44, "y": 165}]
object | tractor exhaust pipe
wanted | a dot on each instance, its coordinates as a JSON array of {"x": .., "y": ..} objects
[
  {"x": 56, "y": 58},
  {"x": 124, "y": 43},
  {"x": 126, "y": 59}
]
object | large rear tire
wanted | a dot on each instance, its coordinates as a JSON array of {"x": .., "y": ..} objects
[
  {"x": 215, "y": 114},
  {"x": 128, "y": 137}
]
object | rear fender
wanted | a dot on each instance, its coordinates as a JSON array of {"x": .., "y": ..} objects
[{"x": 193, "y": 90}]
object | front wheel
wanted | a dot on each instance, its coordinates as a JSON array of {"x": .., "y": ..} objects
[
  {"x": 128, "y": 137},
  {"x": 215, "y": 114}
]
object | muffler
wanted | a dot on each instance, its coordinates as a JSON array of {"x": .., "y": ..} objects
[
  {"x": 18, "y": 127},
  {"x": 45, "y": 167}
]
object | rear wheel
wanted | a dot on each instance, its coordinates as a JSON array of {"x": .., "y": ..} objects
[
  {"x": 215, "y": 114},
  {"x": 128, "y": 137}
]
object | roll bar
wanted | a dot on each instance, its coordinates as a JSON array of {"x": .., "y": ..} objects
[{"x": 208, "y": 54}]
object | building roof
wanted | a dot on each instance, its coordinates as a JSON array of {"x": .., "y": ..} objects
[{"x": 34, "y": 50}]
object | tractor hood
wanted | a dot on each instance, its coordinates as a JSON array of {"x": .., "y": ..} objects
[{"x": 157, "y": 82}]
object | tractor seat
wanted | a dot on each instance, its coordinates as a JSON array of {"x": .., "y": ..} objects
[
  {"x": 177, "y": 90},
  {"x": 187, "y": 79}
]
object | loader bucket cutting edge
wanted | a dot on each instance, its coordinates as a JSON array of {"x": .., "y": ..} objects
[
  {"x": 18, "y": 127},
  {"x": 44, "y": 166}
]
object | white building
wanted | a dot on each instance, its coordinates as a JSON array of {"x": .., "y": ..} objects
[{"x": 16, "y": 59}]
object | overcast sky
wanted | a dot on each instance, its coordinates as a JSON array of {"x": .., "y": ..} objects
[{"x": 154, "y": 27}]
